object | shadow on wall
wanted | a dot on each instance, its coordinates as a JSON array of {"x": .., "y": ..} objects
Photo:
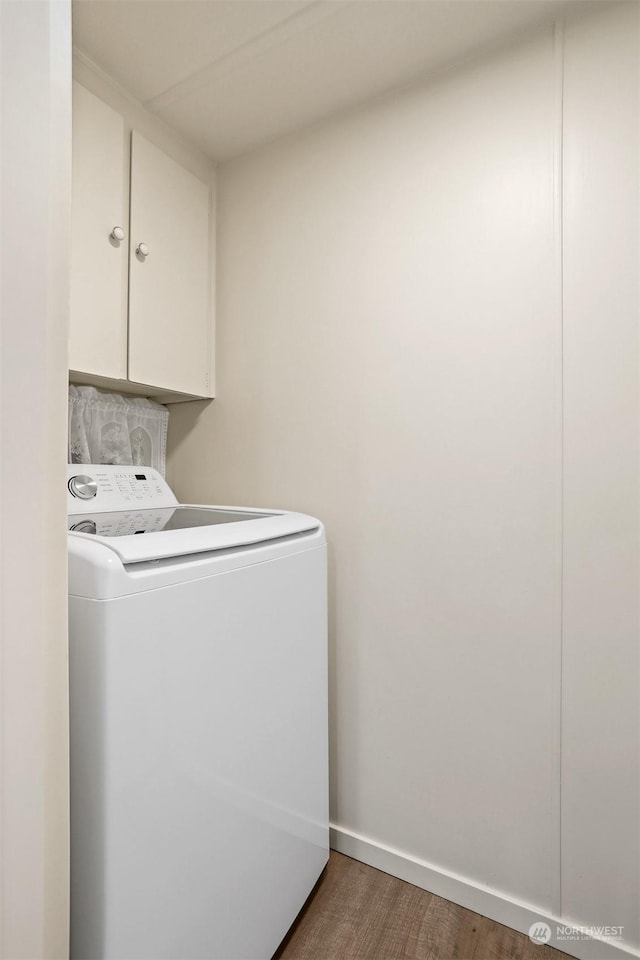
[{"x": 189, "y": 414}]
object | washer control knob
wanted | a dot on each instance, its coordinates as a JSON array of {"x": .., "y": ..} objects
[
  {"x": 84, "y": 526},
  {"x": 83, "y": 487}
]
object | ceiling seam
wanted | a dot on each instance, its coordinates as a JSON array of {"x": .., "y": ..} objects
[{"x": 315, "y": 12}]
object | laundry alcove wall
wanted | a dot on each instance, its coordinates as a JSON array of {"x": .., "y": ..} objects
[{"x": 427, "y": 336}]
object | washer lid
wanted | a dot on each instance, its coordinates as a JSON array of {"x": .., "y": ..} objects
[{"x": 152, "y": 534}]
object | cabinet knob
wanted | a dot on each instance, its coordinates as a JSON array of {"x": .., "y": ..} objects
[
  {"x": 117, "y": 233},
  {"x": 142, "y": 250}
]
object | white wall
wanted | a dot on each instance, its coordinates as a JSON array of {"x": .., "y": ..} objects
[
  {"x": 386, "y": 289},
  {"x": 35, "y": 167},
  {"x": 601, "y": 695},
  {"x": 390, "y": 358}
]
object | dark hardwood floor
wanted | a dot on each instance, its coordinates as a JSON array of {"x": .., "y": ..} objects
[{"x": 358, "y": 913}]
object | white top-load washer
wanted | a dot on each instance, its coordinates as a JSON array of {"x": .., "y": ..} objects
[{"x": 198, "y": 673}]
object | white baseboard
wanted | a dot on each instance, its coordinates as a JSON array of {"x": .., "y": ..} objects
[{"x": 483, "y": 900}]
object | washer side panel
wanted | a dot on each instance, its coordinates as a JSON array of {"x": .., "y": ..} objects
[{"x": 199, "y": 762}]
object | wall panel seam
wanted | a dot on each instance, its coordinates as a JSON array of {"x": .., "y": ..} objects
[{"x": 558, "y": 103}]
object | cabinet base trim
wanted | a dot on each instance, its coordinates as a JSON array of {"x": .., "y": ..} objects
[{"x": 130, "y": 386}]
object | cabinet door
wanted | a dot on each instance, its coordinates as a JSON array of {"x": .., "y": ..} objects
[
  {"x": 169, "y": 310},
  {"x": 99, "y": 263}
]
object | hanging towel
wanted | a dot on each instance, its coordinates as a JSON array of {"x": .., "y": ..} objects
[{"x": 109, "y": 428}]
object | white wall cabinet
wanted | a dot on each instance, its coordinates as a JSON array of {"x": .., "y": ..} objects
[
  {"x": 140, "y": 305},
  {"x": 98, "y": 324},
  {"x": 168, "y": 284}
]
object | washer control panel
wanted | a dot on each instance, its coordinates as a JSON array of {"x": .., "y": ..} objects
[{"x": 107, "y": 487}]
